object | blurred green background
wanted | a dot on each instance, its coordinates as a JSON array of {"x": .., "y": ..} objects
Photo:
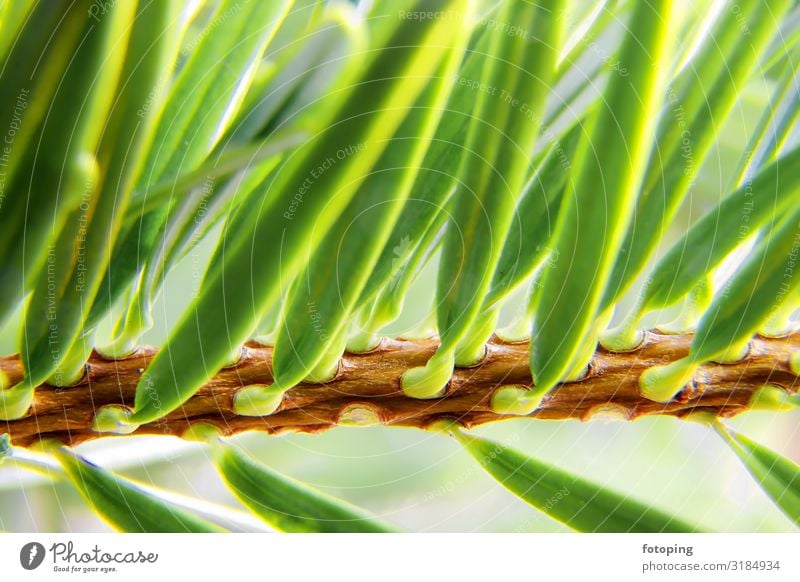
[{"x": 424, "y": 482}]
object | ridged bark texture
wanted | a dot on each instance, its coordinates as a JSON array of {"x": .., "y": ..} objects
[{"x": 367, "y": 390}]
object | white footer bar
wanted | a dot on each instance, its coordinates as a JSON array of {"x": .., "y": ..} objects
[{"x": 407, "y": 557}]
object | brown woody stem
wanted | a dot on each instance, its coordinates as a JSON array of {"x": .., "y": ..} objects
[{"x": 367, "y": 386}]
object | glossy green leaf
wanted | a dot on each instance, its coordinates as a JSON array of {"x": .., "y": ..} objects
[
  {"x": 280, "y": 106},
  {"x": 598, "y": 203},
  {"x": 35, "y": 61},
  {"x": 585, "y": 32},
  {"x": 409, "y": 246},
  {"x": 207, "y": 86},
  {"x": 123, "y": 504},
  {"x": 774, "y": 129},
  {"x": 317, "y": 64},
  {"x": 291, "y": 222},
  {"x": 246, "y": 189},
  {"x": 193, "y": 117},
  {"x": 518, "y": 78},
  {"x": 525, "y": 246},
  {"x": 56, "y": 320},
  {"x": 303, "y": 18},
  {"x": 63, "y": 58},
  {"x": 754, "y": 293},
  {"x": 738, "y": 216},
  {"x": 508, "y": 109},
  {"x": 781, "y": 321},
  {"x": 13, "y": 18},
  {"x": 219, "y": 167},
  {"x": 52, "y": 318},
  {"x": 217, "y": 199},
  {"x": 327, "y": 290},
  {"x": 785, "y": 42},
  {"x": 64, "y": 191},
  {"x": 574, "y": 501},
  {"x": 200, "y": 105},
  {"x": 419, "y": 231},
  {"x": 778, "y": 476},
  {"x": 694, "y": 111},
  {"x": 298, "y": 86},
  {"x": 286, "y": 504},
  {"x": 285, "y": 109},
  {"x": 438, "y": 175},
  {"x": 408, "y": 261}
]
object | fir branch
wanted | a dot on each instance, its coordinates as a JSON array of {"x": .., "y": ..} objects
[{"x": 366, "y": 390}]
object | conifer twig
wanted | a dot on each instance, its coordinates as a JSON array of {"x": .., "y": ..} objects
[{"x": 366, "y": 390}]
